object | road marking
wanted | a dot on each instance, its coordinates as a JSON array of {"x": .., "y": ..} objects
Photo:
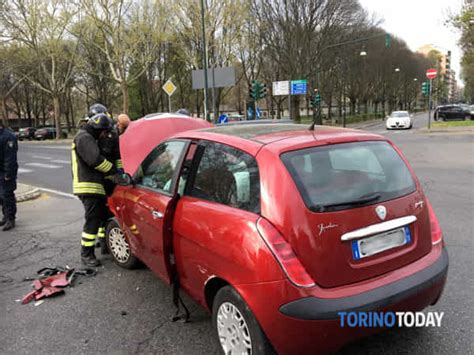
[
  {"x": 24, "y": 171},
  {"x": 41, "y": 157},
  {"x": 43, "y": 147},
  {"x": 47, "y": 166},
  {"x": 60, "y": 193},
  {"x": 61, "y": 161}
]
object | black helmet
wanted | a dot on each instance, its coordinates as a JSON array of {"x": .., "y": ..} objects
[
  {"x": 183, "y": 111},
  {"x": 100, "y": 122},
  {"x": 96, "y": 109}
]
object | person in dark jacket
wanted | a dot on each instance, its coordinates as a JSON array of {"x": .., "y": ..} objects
[
  {"x": 89, "y": 171},
  {"x": 8, "y": 174}
]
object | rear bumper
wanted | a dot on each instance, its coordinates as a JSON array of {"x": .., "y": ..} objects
[
  {"x": 306, "y": 321},
  {"x": 314, "y": 308}
]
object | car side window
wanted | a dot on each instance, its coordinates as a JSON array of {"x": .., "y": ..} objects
[
  {"x": 157, "y": 170},
  {"x": 229, "y": 176}
]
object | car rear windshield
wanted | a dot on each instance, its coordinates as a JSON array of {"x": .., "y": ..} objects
[{"x": 349, "y": 175}]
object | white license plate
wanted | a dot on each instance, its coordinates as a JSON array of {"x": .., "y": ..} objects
[{"x": 363, "y": 248}]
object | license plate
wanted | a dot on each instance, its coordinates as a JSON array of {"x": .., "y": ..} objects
[{"x": 363, "y": 248}]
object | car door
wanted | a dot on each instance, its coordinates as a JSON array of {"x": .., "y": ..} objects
[{"x": 147, "y": 205}]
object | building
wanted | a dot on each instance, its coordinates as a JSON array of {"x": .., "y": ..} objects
[{"x": 446, "y": 74}]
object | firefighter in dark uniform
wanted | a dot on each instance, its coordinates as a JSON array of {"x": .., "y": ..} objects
[
  {"x": 89, "y": 170},
  {"x": 8, "y": 173}
]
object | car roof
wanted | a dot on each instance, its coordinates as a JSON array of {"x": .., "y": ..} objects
[{"x": 277, "y": 136}]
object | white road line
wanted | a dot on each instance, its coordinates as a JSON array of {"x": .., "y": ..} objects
[
  {"x": 41, "y": 157},
  {"x": 61, "y": 161},
  {"x": 56, "y": 192},
  {"x": 47, "y": 166},
  {"x": 24, "y": 171},
  {"x": 61, "y": 148}
]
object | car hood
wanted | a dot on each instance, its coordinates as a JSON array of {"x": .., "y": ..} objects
[
  {"x": 398, "y": 119},
  {"x": 146, "y": 133}
]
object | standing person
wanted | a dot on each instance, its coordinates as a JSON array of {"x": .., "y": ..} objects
[
  {"x": 89, "y": 169},
  {"x": 8, "y": 173},
  {"x": 110, "y": 148}
]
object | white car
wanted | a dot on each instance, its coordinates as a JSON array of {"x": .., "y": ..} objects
[{"x": 398, "y": 120}]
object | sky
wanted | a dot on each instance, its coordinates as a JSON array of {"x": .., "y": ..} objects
[{"x": 420, "y": 22}]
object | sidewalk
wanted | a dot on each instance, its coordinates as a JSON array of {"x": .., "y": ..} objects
[
  {"x": 26, "y": 192},
  {"x": 452, "y": 130}
]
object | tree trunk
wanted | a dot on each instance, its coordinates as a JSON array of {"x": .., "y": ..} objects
[
  {"x": 4, "y": 112},
  {"x": 125, "y": 98},
  {"x": 57, "y": 115}
]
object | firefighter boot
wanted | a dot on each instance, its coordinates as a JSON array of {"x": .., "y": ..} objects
[
  {"x": 88, "y": 257},
  {"x": 9, "y": 224}
]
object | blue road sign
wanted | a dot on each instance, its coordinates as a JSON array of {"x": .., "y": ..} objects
[
  {"x": 223, "y": 118},
  {"x": 298, "y": 87}
]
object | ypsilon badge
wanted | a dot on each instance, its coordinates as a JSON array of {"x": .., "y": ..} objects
[{"x": 381, "y": 212}]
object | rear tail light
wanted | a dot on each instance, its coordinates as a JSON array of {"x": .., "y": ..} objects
[
  {"x": 436, "y": 233},
  {"x": 284, "y": 254}
]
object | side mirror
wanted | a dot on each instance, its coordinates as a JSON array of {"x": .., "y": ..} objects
[{"x": 125, "y": 179}]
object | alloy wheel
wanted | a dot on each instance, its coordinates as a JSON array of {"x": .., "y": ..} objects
[
  {"x": 118, "y": 245},
  {"x": 233, "y": 331}
]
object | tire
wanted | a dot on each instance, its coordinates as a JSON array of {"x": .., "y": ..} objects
[
  {"x": 119, "y": 247},
  {"x": 241, "y": 334}
]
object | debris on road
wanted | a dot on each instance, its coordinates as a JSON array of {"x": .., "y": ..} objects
[{"x": 52, "y": 281}]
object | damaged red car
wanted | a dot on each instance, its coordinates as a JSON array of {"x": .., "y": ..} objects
[{"x": 276, "y": 228}]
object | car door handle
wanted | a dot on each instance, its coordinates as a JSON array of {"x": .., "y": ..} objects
[{"x": 157, "y": 214}]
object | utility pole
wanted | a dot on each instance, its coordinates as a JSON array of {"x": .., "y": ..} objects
[{"x": 205, "y": 64}]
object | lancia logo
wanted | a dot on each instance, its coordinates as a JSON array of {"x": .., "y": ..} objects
[{"x": 381, "y": 212}]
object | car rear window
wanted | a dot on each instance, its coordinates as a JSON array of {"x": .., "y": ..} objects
[{"x": 348, "y": 175}]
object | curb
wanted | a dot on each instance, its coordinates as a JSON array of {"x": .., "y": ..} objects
[
  {"x": 446, "y": 130},
  {"x": 31, "y": 193}
]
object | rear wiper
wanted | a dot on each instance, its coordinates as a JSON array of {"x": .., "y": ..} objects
[{"x": 362, "y": 200}]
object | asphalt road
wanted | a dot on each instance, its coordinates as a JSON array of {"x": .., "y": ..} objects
[{"x": 121, "y": 311}]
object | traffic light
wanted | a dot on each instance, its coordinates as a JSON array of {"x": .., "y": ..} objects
[
  {"x": 315, "y": 99},
  {"x": 388, "y": 40},
  {"x": 425, "y": 88},
  {"x": 257, "y": 90}
]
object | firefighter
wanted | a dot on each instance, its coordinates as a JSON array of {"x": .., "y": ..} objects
[
  {"x": 8, "y": 173},
  {"x": 89, "y": 170}
]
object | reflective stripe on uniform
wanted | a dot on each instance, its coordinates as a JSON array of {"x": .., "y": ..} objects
[
  {"x": 104, "y": 167},
  {"x": 101, "y": 232},
  {"x": 79, "y": 188},
  {"x": 88, "y": 240},
  {"x": 119, "y": 164}
]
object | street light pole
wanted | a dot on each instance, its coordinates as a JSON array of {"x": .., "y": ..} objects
[{"x": 205, "y": 64}]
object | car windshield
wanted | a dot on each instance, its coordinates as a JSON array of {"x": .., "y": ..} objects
[
  {"x": 399, "y": 114},
  {"x": 348, "y": 175}
]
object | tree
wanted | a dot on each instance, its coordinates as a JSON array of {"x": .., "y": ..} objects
[
  {"x": 44, "y": 27},
  {"x": 131, "y": 34}
]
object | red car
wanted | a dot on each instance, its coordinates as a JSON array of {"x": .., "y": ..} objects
[{"x": 275, "y": 229}]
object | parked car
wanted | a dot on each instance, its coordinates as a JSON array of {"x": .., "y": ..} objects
[
  {"x": 274, "y": 228},
  {"x": 48, "y": 133},
  {"x": 452, "y": 112},
  {"x": 27, "y": 133},
  {"x": 399, "y": 119}
]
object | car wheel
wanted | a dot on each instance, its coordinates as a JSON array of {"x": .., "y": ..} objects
[
  {"x": 237, "y": 329},
  {"x": 119, "y": 247}
]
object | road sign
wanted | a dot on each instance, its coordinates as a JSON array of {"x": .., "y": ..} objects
[
  {"x": 169, "y": 87},
  {"x": 431, "y": 73},
  {"x": 281, "y": 88},
  {"x": 216, "y": 77},
  {"x": 298, "y": 87},
  {"x": 223, "y": 118}
]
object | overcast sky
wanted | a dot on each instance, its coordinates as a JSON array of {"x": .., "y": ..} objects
[{"x": 420, "y": 22}]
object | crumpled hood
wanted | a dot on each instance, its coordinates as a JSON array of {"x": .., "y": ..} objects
[{"x": 146, "y": 133}]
